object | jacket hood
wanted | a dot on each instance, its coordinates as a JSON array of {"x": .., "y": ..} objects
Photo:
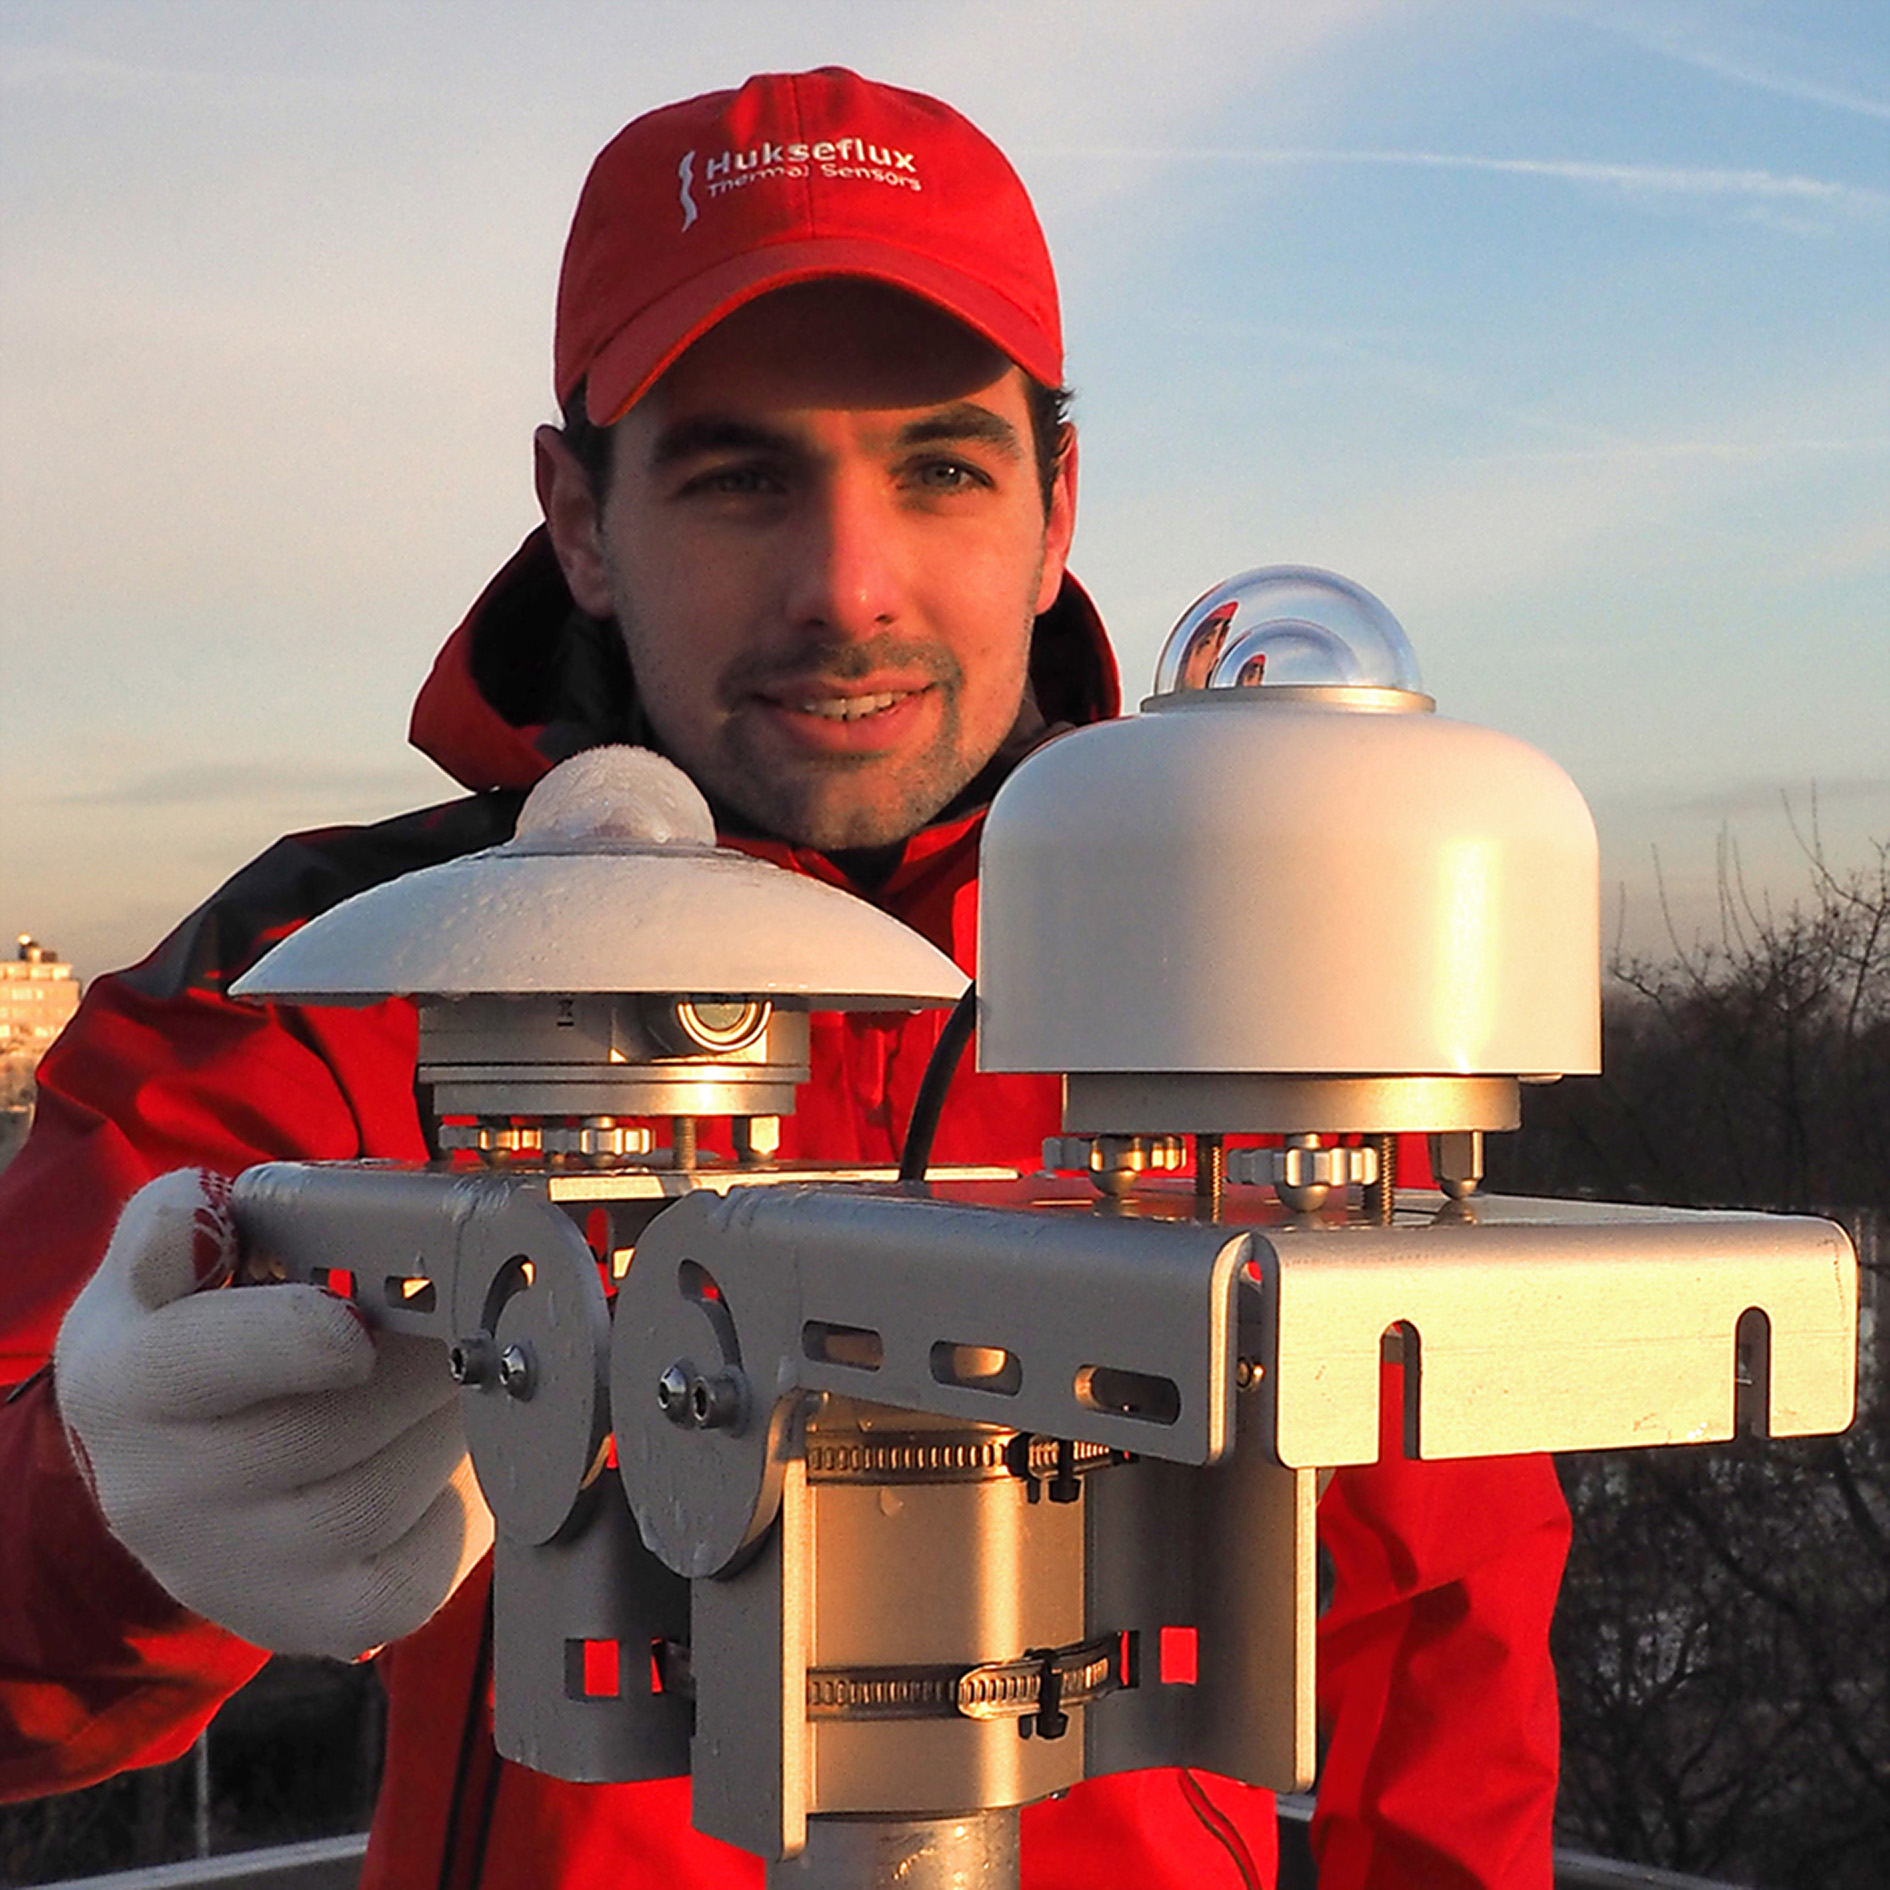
[{"x": 529, "y": 679}]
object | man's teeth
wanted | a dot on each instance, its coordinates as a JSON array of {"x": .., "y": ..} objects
[{"x": 850, "y": 708}]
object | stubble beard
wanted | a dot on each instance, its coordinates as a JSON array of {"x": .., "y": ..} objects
[{"x": 835, "y": 802}]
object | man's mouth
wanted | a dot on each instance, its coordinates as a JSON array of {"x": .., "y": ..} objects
[
  {"x": 849, "y": 708},
  {"x": 816, "y": 718}
]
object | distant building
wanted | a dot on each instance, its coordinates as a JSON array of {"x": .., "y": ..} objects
[{"x": 38, "y": 994}]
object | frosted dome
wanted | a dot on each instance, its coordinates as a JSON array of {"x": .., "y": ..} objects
[{"x": 613, "y": 798}]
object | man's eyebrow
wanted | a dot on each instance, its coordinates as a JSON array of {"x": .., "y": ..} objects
[
  {"x": 709, "y": 433},
  {"x": 964, "y": 420}
]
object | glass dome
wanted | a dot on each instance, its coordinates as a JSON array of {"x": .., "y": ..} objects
[{"x": 1284, "y": 625}]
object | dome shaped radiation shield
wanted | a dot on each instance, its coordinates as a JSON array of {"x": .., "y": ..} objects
[{"x": 612, "y": 883}]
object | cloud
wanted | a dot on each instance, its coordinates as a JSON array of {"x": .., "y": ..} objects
[
  {"x": 66, "y": 72},
  {"x": 1501, "y": 526},
  {"x": 1014, "y": 64},
  {"x": 214, "y": 783},
  {"x": 1069, "y": 63},
  {"x": 1802, "y": 803},
  {"x": 1859, "y": 549},
  {"x": 1758, "y": 187},
  {"x": 1552, "y": 501},
  {"x": 1755, "y": 451},
  {"x": 1681, "y": 37},
  {"x": 1505, "y": 522},
  {"x": 1069, "y": 67}
]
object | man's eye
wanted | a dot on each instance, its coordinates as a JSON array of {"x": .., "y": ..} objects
[
  {"x": 948, "y": 475},
  {"x": 734, "y": 481}
]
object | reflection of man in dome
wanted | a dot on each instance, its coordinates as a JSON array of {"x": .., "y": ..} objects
[
  {"x": 806, "y": 519},
  {"x": 1289, "y": 624},
  {"x": 1205, "y": 645}
]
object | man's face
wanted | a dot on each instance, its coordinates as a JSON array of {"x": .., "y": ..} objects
[{"x": 825, "y": 540}]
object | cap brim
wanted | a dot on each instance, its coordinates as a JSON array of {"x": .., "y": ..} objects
[{"x": 624, "y": 369}]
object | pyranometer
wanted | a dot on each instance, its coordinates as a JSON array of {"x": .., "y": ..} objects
[
  {"x": 1289, "y": 897},
  {"x": 608, "y": 961}
]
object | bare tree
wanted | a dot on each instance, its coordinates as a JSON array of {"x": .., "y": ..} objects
[
  {"x": 1724, "y": 1634},
  {"x": 1752, "y": 1071}
]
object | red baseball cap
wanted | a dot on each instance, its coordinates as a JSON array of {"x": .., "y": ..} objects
[{"x": 698, "y": 207}]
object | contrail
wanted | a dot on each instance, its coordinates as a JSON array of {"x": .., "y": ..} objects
[{"x": 1695, "y": 181}]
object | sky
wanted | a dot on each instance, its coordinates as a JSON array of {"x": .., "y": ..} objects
[{"x": 1559, "y": 326}]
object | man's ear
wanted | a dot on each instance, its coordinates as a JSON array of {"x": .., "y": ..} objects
[
  {"x": 573, "y": 518},
  {"x": 1059, "y": 525}
]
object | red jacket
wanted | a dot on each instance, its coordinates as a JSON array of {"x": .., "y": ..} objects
[{"x": 1436, "y": 1692}]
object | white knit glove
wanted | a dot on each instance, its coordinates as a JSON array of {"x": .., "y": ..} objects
[{"x": 277, "y": 1467}]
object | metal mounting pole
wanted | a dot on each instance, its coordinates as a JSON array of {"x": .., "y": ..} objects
[{"x": 976, "y": 1850}]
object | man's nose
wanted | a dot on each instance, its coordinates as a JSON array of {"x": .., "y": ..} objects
[{"x": 846, "y": 578}]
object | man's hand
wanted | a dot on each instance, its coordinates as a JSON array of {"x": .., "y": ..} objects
[{"x": 277, "y": 1467}]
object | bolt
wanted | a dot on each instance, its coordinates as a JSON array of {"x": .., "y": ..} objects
[
  {"x": 682, "y": 1142},
  {"x": 1115, "y": 1163},
  {"x": 1065, "y": 1486},
  {"x": 515, "y": 1371},
  {"x": 474, "y": 1361},
  {"x": 1457, "y": 1160},
  {"x": 672, "y": 1391},
  {"x": 1210, "y": 1175},
  {"x": 716, "y": 1404},
  {"x": 1380, "y": 1192},
  {"x": 760, "y": 1138},
  {"x": 702, "y": 1401}
]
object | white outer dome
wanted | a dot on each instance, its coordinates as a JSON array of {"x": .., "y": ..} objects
[{"x": 1289, "y": 887}]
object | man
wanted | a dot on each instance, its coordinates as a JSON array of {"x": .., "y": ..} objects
[{"x": 815, "y": 485}]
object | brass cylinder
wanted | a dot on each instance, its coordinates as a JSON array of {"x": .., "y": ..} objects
[{"x": 931, "y": 1559}]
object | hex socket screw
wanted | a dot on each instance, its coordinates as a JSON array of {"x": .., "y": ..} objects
[
  {"x": 473, "y": 1361},
  {"x": 701, "y": 1401},
  {"x": 516, "y": 1373},
  {"x": 672, "y": 1392},
  {"x": 715, "y": 1403}
]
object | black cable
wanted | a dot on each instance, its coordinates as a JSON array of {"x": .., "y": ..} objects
[
  {"x": 916, "y": 1157},
  {"x": 470, "y": 1729},
  {"x": 483, "y": 1837},
  {"x": 1221, "y": 1828}
]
